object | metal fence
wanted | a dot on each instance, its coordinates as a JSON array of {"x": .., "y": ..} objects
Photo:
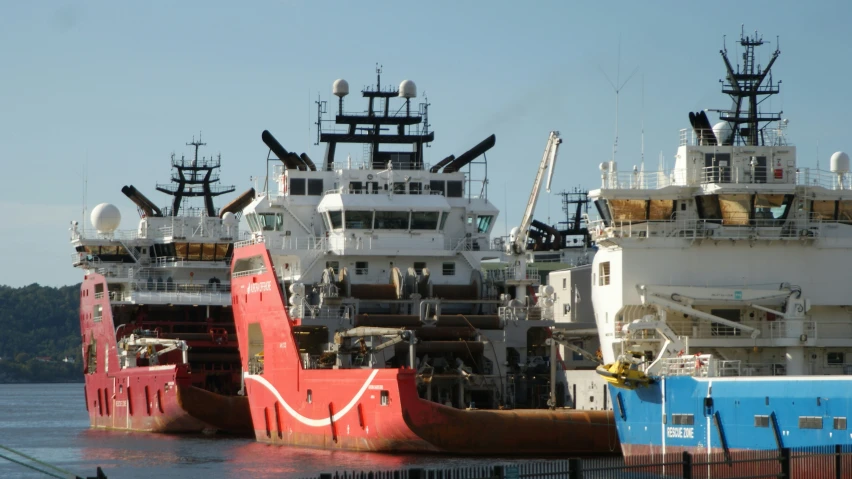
[{"x": 817, "y": 462}]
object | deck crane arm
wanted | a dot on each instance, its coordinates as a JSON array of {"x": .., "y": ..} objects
[{"x": 518, "y": 242}]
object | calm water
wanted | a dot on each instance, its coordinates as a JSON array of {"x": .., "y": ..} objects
[{"x": 49, "y": 422}]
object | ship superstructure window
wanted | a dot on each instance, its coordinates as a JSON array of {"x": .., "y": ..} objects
[
  {"x": 385, "y": 398},
  {"x": 443, "y": 221},
  {"x": 736, "y": 209},
  {"x": 840, "y": 423},
  {"x": 424, "y": 220},
  {"x": 392, "y": 220},
  {"x": 98, "y": 312},
  {"x": 437, "y": 187},
  {"x": 810, "y": 422},
  {"x": 823, "y": 210},
  {"x": 270, "y": 221},
  {"x": 419, "y": 266},
  {"x": 628, "y": 211},
  {"x": 745, "y": 210},
  {"x": 683, "y": 419},
  {"x": 415, "y": 188},
  {"x": 355, "y": 187},
  {"x": 717, "y": 168},
  {"x": 604, "y": 273},
  {"x": 359, "y": 220},
  {"x": 761, "y": 421},
  {"x": 399, "y": 188},
  {"x": 315, "y": 187},
  {"x": 483, "y": 223},
  {"x": 297, "y": 186},
  {"x": 334, "y": 265},
  {"x": 771, "y": 207},
  {"x": 844, "y": 212},
  {"x": 708, "y": 207},
  {"x": 449, "y": 269},
  {"x": 834, "y": 358},
  {"x": 455, "y": 189},
  {"x": 336, "y": 219},
  {"x": 660, "y": 210},
  {"x": 362, "y": 268}
]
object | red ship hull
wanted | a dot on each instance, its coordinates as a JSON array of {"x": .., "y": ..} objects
[
  {"x": 145, "y": 398},
  {"x": 379, "y": 409}
]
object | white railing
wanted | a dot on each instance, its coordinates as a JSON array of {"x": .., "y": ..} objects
[
  {"x": 824, "y": 179},
  {"x": 712, "y": 229},
  {"x": 769, "y": 136},
  {"x": 249, "y": 242},
  {"x": 778, "y": 329},
  {"x": 250, "y": 272},
  {"x": 699, "y": 366}
]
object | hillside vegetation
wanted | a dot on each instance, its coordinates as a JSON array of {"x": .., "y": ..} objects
[{"x": 39, "y": 329}]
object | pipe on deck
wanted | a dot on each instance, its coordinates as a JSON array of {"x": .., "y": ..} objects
[
  {"x": 146, "y": 205},
  {"x": 290, "y": 160},
  {"x": 470, "y": 154}
]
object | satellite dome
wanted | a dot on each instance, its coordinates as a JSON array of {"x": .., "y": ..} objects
[
  {"x": 839, "y": 162},
  {"x": 340, "y": 88},
  {"x": 722, "y": 131},
  {"x": 106, "y": 218},
  {"x": 230, "y": 219},
  {"x": 407, "y": 89}
]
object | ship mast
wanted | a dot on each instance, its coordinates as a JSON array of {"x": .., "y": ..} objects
[
  {"x": 194, "y": 178},
  {"x": 747, "y": 90}
]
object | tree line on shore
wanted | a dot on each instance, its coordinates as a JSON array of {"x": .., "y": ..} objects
[{"x": 40, "y": 334}]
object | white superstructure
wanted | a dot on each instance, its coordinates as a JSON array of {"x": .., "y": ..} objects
[{"x": 737, "y": 252}]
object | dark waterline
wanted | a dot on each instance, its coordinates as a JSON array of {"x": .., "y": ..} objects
[{"x": 49, "y": 422}]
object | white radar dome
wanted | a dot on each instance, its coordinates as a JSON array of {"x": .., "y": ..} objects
[
  {"x": 407, "y": 89},
  {"x": 230, "y": 219},
  {"x": 839, "y": 162},
  {"x": 105, "y": 218},
  {"x": 340, "y": 88},
  {"x": 722, "y": 131}
]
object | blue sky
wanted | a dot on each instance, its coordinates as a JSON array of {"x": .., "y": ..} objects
[{"x": 116, "y": 87}]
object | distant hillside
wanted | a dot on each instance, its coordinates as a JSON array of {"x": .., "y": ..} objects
[{"x": 39, "y": 328}]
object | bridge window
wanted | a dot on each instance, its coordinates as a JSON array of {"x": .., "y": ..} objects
[
  {"x": 844, "y": 212},
  {"x": 823, "y": 210},
  {"x": 708, "y": 207},
  {"x": 443, "y": 221},
  {"x": 660, "y": 210},
  {"x": 736, "y": 209},
  {"x": 208, "y": 251},
  {"x": 193, "y": 251},
  {"x": 270, "y": 221},
  {"x": 604, "y": 273},
  {"x": 391, "y": 220},
  {"x": 483, "y": 223},
  {"x": 628, "y": 211},
  {"x": 359, "y": 220},
  {"x": 771, "y": 207},
  {"x": 415, "y": 188},
  {"x": 336, "y": 219},
  {"x": 455, "y": 189},
  {"x": 424, "y": 220}
]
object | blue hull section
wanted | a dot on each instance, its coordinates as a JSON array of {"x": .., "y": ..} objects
[{"x": 711, "y": 414}]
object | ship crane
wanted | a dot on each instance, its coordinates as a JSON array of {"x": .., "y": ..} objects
[{"x": 517, "y": 244}]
